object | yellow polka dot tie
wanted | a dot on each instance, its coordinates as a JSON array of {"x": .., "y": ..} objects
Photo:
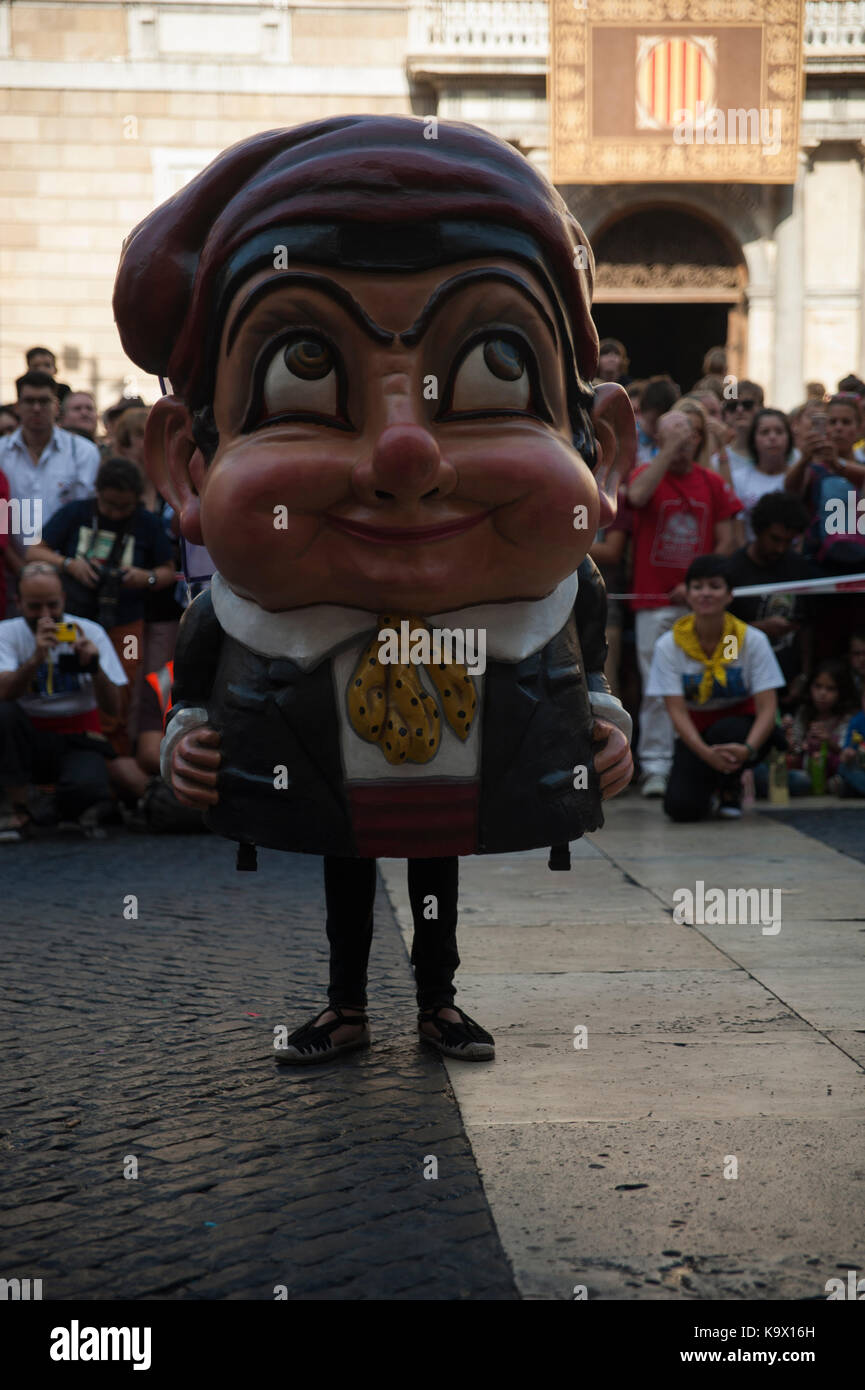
[{"x": 388, "y": 705}]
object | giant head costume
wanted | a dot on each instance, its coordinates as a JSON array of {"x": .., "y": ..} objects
[{"x": 378, "y": 340}]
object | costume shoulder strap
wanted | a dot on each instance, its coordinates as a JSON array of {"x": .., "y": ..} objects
[
  {"x": 590, "y": 613},
  {"x": 199, "y": 643}
]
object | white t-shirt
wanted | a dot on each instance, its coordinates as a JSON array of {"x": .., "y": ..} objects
[
  {"x": 749, "y": 485},
  {"x": 734, "y": 458},
  {"x": 57, "y": 693},
  {"x": 674, "y": 673}
]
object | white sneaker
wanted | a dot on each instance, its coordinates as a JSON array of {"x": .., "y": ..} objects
[{"x": 653, "y": 784}]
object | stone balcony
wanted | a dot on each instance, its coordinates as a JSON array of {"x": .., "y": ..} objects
[
  {"x": 481, "y": 38},
  {"x": 834, "y": 34},
  {"x": 449, "y": 38}
]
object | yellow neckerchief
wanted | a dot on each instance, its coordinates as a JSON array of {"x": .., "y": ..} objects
[{"x": 714, "y": 666}]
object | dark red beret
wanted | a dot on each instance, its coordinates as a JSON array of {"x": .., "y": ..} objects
[{"x": 350, "y": 169}]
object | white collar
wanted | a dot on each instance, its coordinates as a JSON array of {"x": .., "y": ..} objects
[
  {"x": 17, "y": 439},
  {"x": 308, "y": 635}
]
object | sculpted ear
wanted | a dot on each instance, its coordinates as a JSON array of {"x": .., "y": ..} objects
[
  {"x": 616, "y": 434},
  {"x": 174, "y": 462}
]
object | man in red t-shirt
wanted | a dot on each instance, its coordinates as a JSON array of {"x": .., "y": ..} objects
[{"x": 680, "y": 510}]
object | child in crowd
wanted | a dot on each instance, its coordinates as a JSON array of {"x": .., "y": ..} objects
[
  {"x": 818, "y": 732},
  {"x": 856, "y": 661},
  {"x": 851, "y": 773}
]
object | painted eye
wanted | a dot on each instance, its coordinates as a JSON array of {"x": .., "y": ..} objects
[
  {"x": 302, "y": 376},
  {"x": 504, "y": 359},
  {"x": 309, "y": 359},
  {"x": 493, "y": 376}
]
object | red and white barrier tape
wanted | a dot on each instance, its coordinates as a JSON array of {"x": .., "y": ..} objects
[{"x": 835, "y": 584}]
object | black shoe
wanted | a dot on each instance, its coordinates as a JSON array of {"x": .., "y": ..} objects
[
  {"x": 311, "y": 1042},
  {"x": 43, "y": 810},
  {"x": 466, "y": 1040},
  {"x": 731, "y": 805},
  {"x": 105, "y": 812},
  {"x": 16, "y": 825}
]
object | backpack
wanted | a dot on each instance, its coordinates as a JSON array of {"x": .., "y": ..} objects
[{"x": 839, "y": 549}]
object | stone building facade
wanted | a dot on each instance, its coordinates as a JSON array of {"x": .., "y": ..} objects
[{"x": 106, "y": 108}]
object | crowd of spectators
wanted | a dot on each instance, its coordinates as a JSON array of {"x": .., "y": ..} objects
[
  {"x": 91, "y": 598},
  {"x": 731, "y": 504},
  {"x": 727, "y": 664}
]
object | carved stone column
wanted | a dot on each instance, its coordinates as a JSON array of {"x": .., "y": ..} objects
[{"x": 786, "y": 388}]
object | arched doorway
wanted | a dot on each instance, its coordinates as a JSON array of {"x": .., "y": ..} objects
[{"x": 670, "y": 285}]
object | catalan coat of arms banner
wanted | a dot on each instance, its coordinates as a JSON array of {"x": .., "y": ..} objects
[{"x": 655, "y": 90}]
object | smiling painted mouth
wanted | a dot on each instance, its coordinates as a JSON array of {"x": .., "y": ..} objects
[{"x": 404, "y": 535}]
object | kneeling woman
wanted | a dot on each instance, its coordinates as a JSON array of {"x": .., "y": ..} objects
[{"x": 719, "y": 679}]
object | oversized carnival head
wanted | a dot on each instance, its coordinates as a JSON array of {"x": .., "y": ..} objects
[{"x": 378, "y": 337}]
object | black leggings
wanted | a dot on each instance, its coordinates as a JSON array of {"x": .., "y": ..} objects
[
  {"x": 692, "y": 782},
  {"x": 433, "y": 886}
]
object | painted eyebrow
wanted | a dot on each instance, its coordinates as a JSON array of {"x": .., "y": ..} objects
[
  {"x": 443, "y": 292},
  {"x": 309, "y": 281},
  {"x": 412, "y": 335}
]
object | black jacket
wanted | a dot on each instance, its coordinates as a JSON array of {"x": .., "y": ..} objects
[{"x": 536, "y": 729}]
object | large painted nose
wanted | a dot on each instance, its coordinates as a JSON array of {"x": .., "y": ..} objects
[{"x": 406, "y": 464}]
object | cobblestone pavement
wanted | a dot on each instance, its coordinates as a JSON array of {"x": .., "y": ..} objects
[
  {"x": 840, "y": 828},
  {"x": 152, "y": 1040}
]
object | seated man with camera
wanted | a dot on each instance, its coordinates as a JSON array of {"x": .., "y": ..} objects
[
  {"x": 56, "y": 673},
  {"x": 110, "y": 553}
]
